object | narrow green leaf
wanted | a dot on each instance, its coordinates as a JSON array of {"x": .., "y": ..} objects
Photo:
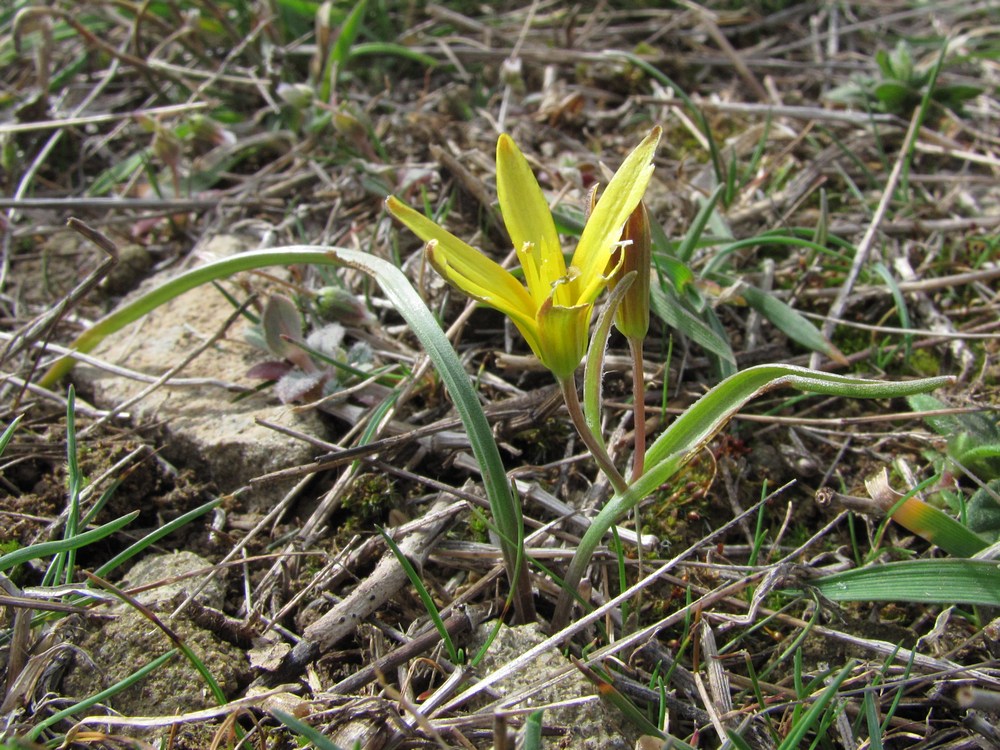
[
  {"x": 117, "y": 173},
  {"x": 65, "y": 562},
  {"x": 672, "y": 311},
  {"x": 608, "y": 693},
  {"x": 44, "y": 549},
  {"x": 154, "y": 536},
  {"x": 593, "y": 372},
  {"x": 931, "y": 581},
  {"x": 696, "y": 113},
  {"x": 101, "y": 697},
  {"x": 708, "y": 415},
  {"x": 400, "y": 293},
  {"x": 504, "y": 506},
  {"x": 424, "y": 594},
  {"x": 337, "y": 57},
  {"x": 678, "y": 274},
  {"x": 722, "y": 366},
  {"x": 790, "y": 322},
  {"x": 835, "y": 254},
  {"x": 937, "y": 527},
  {"x": 694, "y": 232},
  {"x": 388, "y": 49},
  {"x": 693, "y": 429},
  {"x": 348, "y": 33},
  {"x": 900, "y": 301},
  {"x": 802, "y": 727},
  {"x": 9, "y": 432},
  {"x": 871, "y": 719},
  {"x": 305, "y": 730},
  {"x": 532, "y": 731},
  {"x": 738, "y": 742}
]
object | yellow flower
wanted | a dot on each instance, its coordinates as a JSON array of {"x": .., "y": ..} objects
[{"x": 553, "y": 312}]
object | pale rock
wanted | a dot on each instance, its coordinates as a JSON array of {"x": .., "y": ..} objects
[
  {"x": 589, "y": 725},
  {"x": 202, "y": 427}
]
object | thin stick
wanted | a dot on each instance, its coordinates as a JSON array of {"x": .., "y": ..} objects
[{"x": 865, "y": 246}]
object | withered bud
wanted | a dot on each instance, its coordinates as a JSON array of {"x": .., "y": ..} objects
[{"x": 634, "y": 254}]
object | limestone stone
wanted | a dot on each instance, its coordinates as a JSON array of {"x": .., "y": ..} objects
[
  {"x": 161, "y": 567},
  {"x": 124, "y": 641},
  {"x": 591, "y": 725},
  {"x": 204, "y": 427}
]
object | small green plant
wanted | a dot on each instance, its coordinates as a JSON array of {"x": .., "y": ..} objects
[
  {"x": 973, "y": 438},
  {"x": 309, "y": 733},
  {"x": 902, "y": 85},
  {"x": 307, "y": 367}
]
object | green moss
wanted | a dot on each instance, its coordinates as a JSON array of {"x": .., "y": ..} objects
[
  {"x": 685, "y": 501},
  {"x": 925, "y": 362},
  {"x": 372, "y": 497},
  {"x": 479, "y": 530},
  {"x": 544, "y": 443}
]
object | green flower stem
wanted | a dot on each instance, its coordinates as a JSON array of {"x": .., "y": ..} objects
[
  {"x": 595, "y": 446},
  {"x": 701, "y": 422}
]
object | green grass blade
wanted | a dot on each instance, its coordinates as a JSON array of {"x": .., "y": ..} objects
[
  {"x": 668, "y": 306},
  {"x": 340, "y": 50},
  {"x": 871, "y": 720},
  {"x": 722, "y": 366},
  {"x": 718, "y": 260},
  {"x": 9, "y": 433},
  {"x": 44, "y": 549},
  {"x": 694, "y": 232},
  {"x": 196, "y": 662},
  {"x": 738, "y": 742},
  {"x": 608, "y": 693},
  {"x": 936, "y": 526},
  {"x": 118, "y": 173},
  {"x": 791, "y": 322},
  {"x": 65, "y": 562},
  {"x": 532, "y": 732},
  {"x": 802, "y": 727},
  {"x": 931, "y": 581},
  {"x": 387, "y": 49},
  {"x": 154, "y": 536},
  {"x": 348, "y": 33},
  {"x": 425, "y": 597},
  {"x": 696, "y": 113},
  {"x": 310, "y": 733}
]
